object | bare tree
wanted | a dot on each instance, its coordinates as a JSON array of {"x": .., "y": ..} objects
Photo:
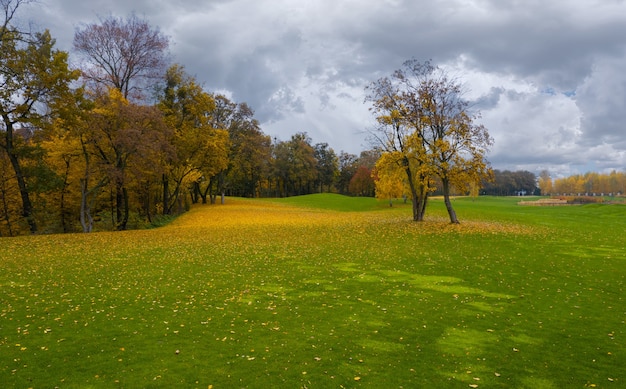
[{"x": 125, "y": 54}]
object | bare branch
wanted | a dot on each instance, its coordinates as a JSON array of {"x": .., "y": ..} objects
[{"x": 125, "y": 54}]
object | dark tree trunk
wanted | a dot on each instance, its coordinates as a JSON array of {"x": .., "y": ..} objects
[
  {"x": 86, "y": 220},
  {"x": 5, "y": 208},
  {"x": 126, "y": 208},
  {"x": 446, "y": 198},
  {"x": 121, "y": 206},
  {"x": 221, "y": 186},
  {"x": 146, "y": 202},
  {"x": 166, "y": 195},
  {"x": 119, "y": 198},
  {"x": 63, "y": 191},
  {"x": 27, "y": 207},
  {"x": 196, "y": 193},
  {"x": 208, "y": 192},
  {"x": 419, "y": 194},
  {"x": 203, "y": 194}
]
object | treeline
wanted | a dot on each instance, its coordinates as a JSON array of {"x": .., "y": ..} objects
[
  {"x": 510, "y": 183},
  {"x": 125, "y": 139},
  {"x": 524, "y": 183},
  {"x": 588, "y": 184}
]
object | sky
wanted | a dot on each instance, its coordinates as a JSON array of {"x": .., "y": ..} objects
[{"x": 548, "y": 76}]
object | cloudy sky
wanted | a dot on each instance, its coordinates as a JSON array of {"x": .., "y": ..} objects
[{"x": 549, "y": 76}]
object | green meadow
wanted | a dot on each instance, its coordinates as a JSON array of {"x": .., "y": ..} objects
[{"x": 323, "y": 291}]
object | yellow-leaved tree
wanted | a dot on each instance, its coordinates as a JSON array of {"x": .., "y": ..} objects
[
  {"x": 33, "y": 73},
  {"x": 201, "y": 150},
  {"x": 389, "y": 178},
  {"x": 430, "y": 130},
  {"x": 545, "y": 183}
]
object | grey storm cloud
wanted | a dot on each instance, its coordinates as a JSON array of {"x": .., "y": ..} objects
[{"x": 547, "y": 75}]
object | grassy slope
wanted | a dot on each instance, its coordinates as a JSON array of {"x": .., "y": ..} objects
[
  {"x": 333, "y": 202},
  {"x": 318, "y": 291}
]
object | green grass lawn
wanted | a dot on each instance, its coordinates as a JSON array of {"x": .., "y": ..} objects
[{"x": 323, "y": 291}]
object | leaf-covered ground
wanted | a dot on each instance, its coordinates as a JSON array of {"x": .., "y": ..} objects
[{"x": 281, "y": 294}]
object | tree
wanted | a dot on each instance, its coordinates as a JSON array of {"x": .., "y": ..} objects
[
  {"x": 126, "y": 54},
  {"x": 368, "y": 158},
  {"x": 327, "y": 165},
  {"x": 249, "y": 157},
  {"x": 295, "y": 165},
  {"x": 33, "y": 74},
  {"x": 9, "y": 197},
  {"x": 430, "y": 128},
  {"x": 347, "y": 168},
  {"x": 130, "y": 142},
  {"x": 303, "y": 162},
  {"x": 453, "y": 145},
  {"x": 394, "y": 136},
  {"x": 249, "y": 154},
  {"x": 389, "y": 184},
  {"x": 63, "y": 157},
  {"x": 508, "y": 183},
  {"x": 281, "y": 168},
  {"x": 591, "y": 183},
  {"x": 362, "y": 183},
  {"x": 201, "y": 150}
]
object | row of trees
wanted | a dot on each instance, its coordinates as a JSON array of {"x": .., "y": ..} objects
[
  {"x": 511, "y": 183},
  {"x": 125, "y": 137},
  {"x": 584, "y": 184}
]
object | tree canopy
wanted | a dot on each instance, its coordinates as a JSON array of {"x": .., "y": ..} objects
[
  {"x": 33, "y": 75},
  {"x": 428, "y": 131}
]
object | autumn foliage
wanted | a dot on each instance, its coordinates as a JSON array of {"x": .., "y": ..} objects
[
  {"x": 123, "y": 140},
  {"x": 428, "y": 132}
]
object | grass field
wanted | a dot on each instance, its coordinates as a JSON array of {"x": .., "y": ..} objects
[{"x": 323, "y": 291}]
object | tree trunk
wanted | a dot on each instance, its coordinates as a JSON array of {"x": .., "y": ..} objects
[
  {"x": 418, "y": 197},
  {"x": 121, "y": 206},
  {"x": 146, "y": 202},
  {"x": 423, "y": 198},
  {"x": 196, "y": 193},
  {"x": 221, "y": 185},
  {"x": 5, "y": 207},
  {"x": 166, "y": 195},
  {"x": 126, "y": 208},
  {"x": 202, "y": 194},
  {"x": 86, "y": 221},
  {"x": 446, "y": 198},
  {"x": 27, "y": 207},
  {"x": 83, "y": 206},
  {"x": 63, "y": 192},
  {"x": 209, "y": 192}
]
